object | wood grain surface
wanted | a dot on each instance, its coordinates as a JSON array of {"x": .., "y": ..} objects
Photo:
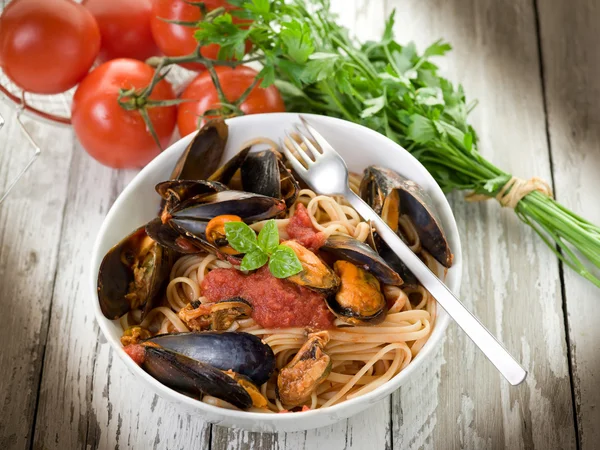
[{"x": 534, "y": 68}]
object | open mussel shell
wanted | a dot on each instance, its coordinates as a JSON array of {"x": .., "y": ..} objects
[
  {"x": 193, "y": 377},
  {"x": 315, "y": 274},
  {"x": 359, "y": 300},
  {"x": 177, "y": 191},
  {"x": 250, "y": 207},
  {"x": 305, "y": 372},
  {"x": 241, "y": 352},
  {"x": 418, "y": 205},
  {"x": 132, "y": 274},
  {"x": 391, "y": 195},
  {"x": 349, "y": 249},
  {"x": 225, "y": 312},
  {"x": 184, "y": 227},
  {"x": 202, "y": 156},
  {"x": 265, "y": 173}
]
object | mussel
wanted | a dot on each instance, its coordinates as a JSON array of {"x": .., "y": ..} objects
[
  {"x": 303, "y": 374},
  {"x": 217, "y": 316},
  {"x": 183, "y": 228},
  {"x": 132, "y": 274},
  {"x": 359, "y": 300},
  {"x": 265, "y": 173},
  {"x": 349, "y": 249},
  {"x": 315, "y": 275},
  {"x": 193, "y": 377},
  {"x": 392, "y": 195},
  {"x": 202, "y": 156},
  {"x": 243, "y": 353},
  {"x": 216, "y": 234}
]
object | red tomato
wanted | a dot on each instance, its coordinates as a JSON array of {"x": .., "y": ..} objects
[
  {"x": 234, "y": 82},
  {"x": 47, "y": 46},
  {"x": 178, "y": 40},
  {"x": 125, "y": 28},
  {"x": 112, "y": 135}
]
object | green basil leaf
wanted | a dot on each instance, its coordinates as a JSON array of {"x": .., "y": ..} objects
[
  {"x": 268, "y": 238},
  {"x": 284, "y": 262},
  {"x": 241, "y": 237},
  {"x": 254, "y": 260}
]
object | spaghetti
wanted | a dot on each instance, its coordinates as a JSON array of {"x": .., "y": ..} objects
[{"x": 363, "y": 357}]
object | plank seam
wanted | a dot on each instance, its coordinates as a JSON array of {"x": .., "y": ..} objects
[
  {"x": 46, "y": 330},
  {"x": 561, "y": 268}
]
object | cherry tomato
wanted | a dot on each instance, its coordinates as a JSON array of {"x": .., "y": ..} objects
[
  {"x": 112, "y": 135},
  {"x": 47, "y": 46},
  {"x": 125, "y": 28},
  {"x": 233, "y": 82},
  {"x": 178, "y": 40}
]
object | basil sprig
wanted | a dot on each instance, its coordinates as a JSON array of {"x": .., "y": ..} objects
[{"x": 282, "y": 260}]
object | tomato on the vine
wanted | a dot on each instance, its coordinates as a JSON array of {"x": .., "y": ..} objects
[
  {"x": 125, "y": 28},
  {"x": 234, "y": 83},
  {"x": 114, "y": 136},
  {"x": 178, "y": 40},
  {"x": 47, "y": 46}
]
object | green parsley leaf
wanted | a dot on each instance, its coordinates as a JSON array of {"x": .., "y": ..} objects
[
  {"x": 388, "y": 34},
  {"x": 297, "y": 39},
  {"x": 254, "y": 260},
  {"x": 258, "y": 6},
  {"x": 268, "y": 238},
  {"x": 284, "y": 262},
  {"x": 438, "y": 48},
  {"x": 374, "y": 106},
  {"x": 429, "y": 96},
  {"x": 421, "y": 129},
  {"x": 241, "y": 237}
]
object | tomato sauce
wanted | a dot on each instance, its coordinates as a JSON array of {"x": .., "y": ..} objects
[
  {"x": 135, "y": 352},
  {"x": 277, "y": 303},
  {"x": 301, "y": 229}
]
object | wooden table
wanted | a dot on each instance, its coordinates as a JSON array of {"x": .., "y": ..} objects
[{"x": 534, "y": 67}]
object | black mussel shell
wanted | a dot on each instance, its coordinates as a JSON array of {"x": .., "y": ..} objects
[
  {"x": 116, "y": 287},
  {"x": 260, "y": 174},
  {"x": 379, "y": 183},
  {"x": 250, "y": 207},
  {"x": 265, "y": 173},
  {"x": 360, "y": 300},
  {"x": 418, "y": 205},
  {"x": 202, "y": 156},
  {"x": 357, "y": 252},
  {"x": 241, "y": 352},
  {"x": 193, "y": 377}
]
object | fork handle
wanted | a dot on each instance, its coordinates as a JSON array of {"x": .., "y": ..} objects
[{"x": 487, "y": 343}]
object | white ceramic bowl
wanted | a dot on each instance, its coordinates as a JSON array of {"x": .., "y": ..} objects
[{"x": 360, "y": 147}]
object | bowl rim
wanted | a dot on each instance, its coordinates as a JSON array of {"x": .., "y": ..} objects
[{"x": 441, "y": 324}]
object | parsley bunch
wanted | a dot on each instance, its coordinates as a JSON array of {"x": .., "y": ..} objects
[
  {"x": 394, "y": 90},
  {"x": 283, "y": 262}
]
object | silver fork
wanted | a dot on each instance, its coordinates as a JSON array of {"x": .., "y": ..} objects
[{"x": 326, "y": 173}]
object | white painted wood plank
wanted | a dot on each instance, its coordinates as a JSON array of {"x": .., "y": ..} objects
[
  {"x": 510, "y": 279},
  {"x": 88, "y": 399},
  {"x": 571, "y": 66},
  {"x": 30, "y": 225},
  {"x": 370, "y": 429}
]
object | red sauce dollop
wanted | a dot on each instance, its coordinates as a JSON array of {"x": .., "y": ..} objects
[
  {"x": 135, "y": 352},
  {"x": 277, "y": 303},
  {"x": 301, "y": 229}
]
